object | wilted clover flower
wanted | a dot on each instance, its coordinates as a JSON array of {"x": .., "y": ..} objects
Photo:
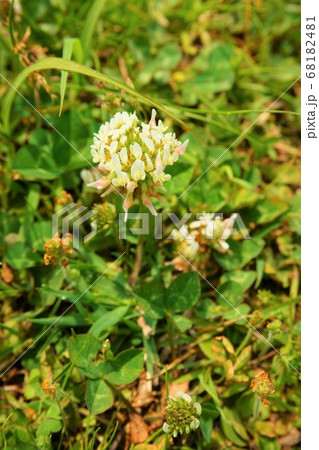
[
  {"x": 49, "y": 387},
  {"x": 195, "y": 240},
  {"x": 182, "y": 415},
  {"x": 132, "y": 157},
  {"x": 263, "y": 387},
  {"x": 57, "y": 250}
]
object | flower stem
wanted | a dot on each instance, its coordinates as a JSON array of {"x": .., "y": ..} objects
[
  {"x": 138, "y": 257},
  {"x": 170, "y": 327},
  {"x": 256, "y": 408},
  {"x": 137, "y": 262}
]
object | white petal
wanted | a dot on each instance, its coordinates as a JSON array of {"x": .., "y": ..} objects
[
  {"x": 184, "y": 396},
  {"x": 181, "y": 148},
  {"x": 198, "y": 408},
  {"x": 113, "y": 146},
  {"x": 165, "y": 428},
  {"x": 137, "y": 170},
  {"x": 131, "y": 186},
  {"x": 158, "y": 162},
  {"x": 152, "y": 121},
  {"x": 95, "y": 156},
  {"x": 157, "y": 136},
  {"x": 192, "y": 249},
  {"x": 137, "y": 151},
  {"x": 123, "y": 155},
  {"x": 166, "y": 154},
  {"x": 99, "y": 184},
  {"x": 148, "y": 142},
  {"x": 123, "y": 139},
  {"x": 149, "y": 164},
  {"x": 194, "y": 424},
  {"x": 223, "y": 245},
  {"x": 122, "y": 179},
  {"x": 148, "y": 203},
  {"x": 116, "y": 162}
]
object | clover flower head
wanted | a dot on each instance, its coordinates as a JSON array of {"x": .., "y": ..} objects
[
  {"x": 106, "y": 213},
  {"x": 57, "y": 250},
  {"x": 263, "y": 387},
  {"x": 182, "y": 415},
  {"x": 194, "y": 240},
  {"x": 49, "y": 387},
  {"x": 132, "y": 157}
]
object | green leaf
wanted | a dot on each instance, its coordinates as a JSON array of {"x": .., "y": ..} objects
[
  {"x": 99, "y": 396},
  {"x": 38, "y": 234},
  {"x": 219, "y": 79},
  {"x": 244, "y": 278},
  {"x": 64, "y": 64},
  {"x": 125, "y": 367},
  {"x": 231, "y": 416},
  {"x": 150, "y": 298},
  {"x": 82, "y": 350},
  {"x": 265, "y": 443},
  {"x": 240, "y": 254},
  {"x": 169, "y": 56},
  {"x": 227, "y": 424},
  {"x": 182, "y": 323},
  {"x": 183, "y": 293},
  {"x": 41, "y": 139},
  {"x": 107, "y": 320},
  {"x": 209, "y": 413},
  {"x": 181, "y": 177},
  {"x": 232, "y": 292},
  {"x": 90, "y": 22},
  {"x": 65, "y": 157},
  {"x": 48, "y": 427},
  {"x": 209, "y": 386},
  {"x": 70, "y": 45},
  {"x": 36, "y": 162},
  {"x": 243, "y": 358},
  {"x": 268, "y": 210},
  {"x": 72, "y": 320},
  {"x": 242, "y": 309},
  {"x": 19, "y": 256}
]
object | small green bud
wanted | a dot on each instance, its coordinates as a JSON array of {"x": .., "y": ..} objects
[
  {"x": 275, "y": 325},
  {"x": 106, "y": 214}
]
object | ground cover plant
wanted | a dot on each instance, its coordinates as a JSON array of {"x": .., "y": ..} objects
[{"x": 187, "y": 336}]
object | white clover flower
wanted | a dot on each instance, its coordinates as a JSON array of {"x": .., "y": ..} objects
[
  {"x": 133, "y": 155},
  {"x": 195, "y": 239},
  {"x": 182, "y": 415}
]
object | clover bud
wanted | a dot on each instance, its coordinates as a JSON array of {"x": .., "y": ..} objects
[
  {"x": 182, "y": 415},
  {"x": 106, "y": 214},
  {"x": 275, "y": 326}
]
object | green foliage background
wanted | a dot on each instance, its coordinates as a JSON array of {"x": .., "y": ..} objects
[{"x": 210, "y": 68}]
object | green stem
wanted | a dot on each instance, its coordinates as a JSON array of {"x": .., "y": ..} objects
[
  {"x": 170, "y": 328},
  {"x": 266, "y": 346},
  {"x": 137, "y": 262},
  {"x": 256, "y": 408},
  {"x": 245, "y": 341},
  {"x": 166, "y": 383},
  {"x": 138, "y": 255}
]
